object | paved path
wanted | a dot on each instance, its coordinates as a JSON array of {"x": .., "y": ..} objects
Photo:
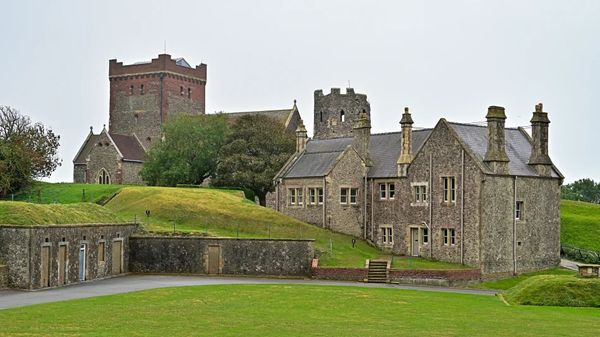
[
  {"x": 568, "y": 264},
  {"x": 124, "y": 284}
]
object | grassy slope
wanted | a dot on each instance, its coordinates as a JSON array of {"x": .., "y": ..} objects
[
  {"x": 507, "y": 283},
  {"x": 23, "y": 213},
  {"x": 223, "y": 213},
  {"x": 580, "y": 224},
  {"x": 67, "y": 193},
  {"x": 294, "y": 310},
  {"x": 557, "y": 290}
]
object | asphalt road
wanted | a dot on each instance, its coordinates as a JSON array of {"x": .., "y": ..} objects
[{"x": 129, "y": 283}]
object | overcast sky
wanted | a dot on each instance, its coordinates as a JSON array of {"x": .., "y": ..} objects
[{"x": 448, "y": 59}]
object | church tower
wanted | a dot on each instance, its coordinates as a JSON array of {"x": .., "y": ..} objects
[
  {"x": 144, "y": 94},
  {"x": 336, "y": 113}
]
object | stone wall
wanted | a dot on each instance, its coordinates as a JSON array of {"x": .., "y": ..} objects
[
  {"x": 131, "y": 172},
  {"x": 3, "y": 277},
  {"x": 103, "y": 156},
  {"x": 21, "y": 249},
  {"x": 197, "y": 255},
  {"x": 79, "y": 173},
  {"x": 340, "y": 274},
  {"x": 312, "y": 214}
]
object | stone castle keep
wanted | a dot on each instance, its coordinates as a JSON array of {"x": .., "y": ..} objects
[{"x": 487, "y": 197}]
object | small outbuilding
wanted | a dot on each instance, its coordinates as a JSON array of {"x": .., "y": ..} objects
[
  {"x": 588, "y": 270},
  {"x": 56, "y": 255}
]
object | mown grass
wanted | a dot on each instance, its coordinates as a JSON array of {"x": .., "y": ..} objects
[
  {"x": 580, "y": 224},
  {"x": 294, "y": 310},
  {"x": 66, "y": 193},
  {"x": 507, "y": 283},
  {"x": 24, "y": 213},
  {"x": 557, "y": 290}
]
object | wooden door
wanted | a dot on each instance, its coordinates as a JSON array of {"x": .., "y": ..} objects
[
  {"x": 82, "y": 262},
  {"x": 117, "y": 257},
  {"x": 62, "y": 264},
  {"x": 45, "y": 279},
  {"x": 414, "y": 239},
  {"x": 214, "y": 259}
]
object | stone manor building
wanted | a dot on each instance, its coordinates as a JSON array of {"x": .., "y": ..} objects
[
  {"x": 487, "y": 197},
  {"x": 143, "y": 96}
]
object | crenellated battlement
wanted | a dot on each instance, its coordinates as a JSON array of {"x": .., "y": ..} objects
[
  {"x": 337, "y": 92},
  {"x": 336, "y": 112},
  {"x": 164, "y": 63}
]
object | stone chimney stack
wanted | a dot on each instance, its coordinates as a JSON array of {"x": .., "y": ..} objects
[
  {"x": 362, "y": 137},
  {"x": 496, "y": 150},
  {"x": 405, "y": 143},
  {"x": 539, "y": 132},
  {"x": 301, "y": 137}
]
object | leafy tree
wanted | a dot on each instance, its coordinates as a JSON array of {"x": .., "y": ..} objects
[
  {"x": 27, "y": 151},
  {"x": 257, "y": 148},
  {"x": 189, "y": 152},
  {"x": 582, "y": 190}
]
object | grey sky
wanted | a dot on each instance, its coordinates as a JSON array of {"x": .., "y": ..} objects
[{"x": 447, "y": 59}]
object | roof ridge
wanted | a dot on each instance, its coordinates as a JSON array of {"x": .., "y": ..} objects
[
  {"x": 481, "y": 126},
  {"x": 255, "y": 111}
]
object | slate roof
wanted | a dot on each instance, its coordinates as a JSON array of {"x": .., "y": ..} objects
[
  {"x": 518, "y": 147},
  {"x": 180, "y": 61},
  {"x": 384, "y": 149},
  {"x": 129, "y": 146},
  {"x": 278, "y": 115}
]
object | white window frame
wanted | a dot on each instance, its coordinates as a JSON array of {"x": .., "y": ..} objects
[
  {"x": 387, "y": 235},
  {"x": 320, "y": 196},
  {"x": 425, "y": 235},
  {"x": 312, "y": 197},
  {"x": 449, "y": 183},
  {"x": 391, "y": 187},
  {"x": 445, "y": 235},
  {"x": 344, "y": 195},
  {"x": 452, "y": 236},
  {"x": 292, "y": 197},
  {"x": 300, "y": 196},
  {"x": 387, "y": 191},
  {"x": 519, "y": 210},
  {"x": 295, "y": 196},
  {"x": 382, "y": 191},
  {"x": 353, "y": 196}
]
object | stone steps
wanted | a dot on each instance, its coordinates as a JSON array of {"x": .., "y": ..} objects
[{"x": 378, "y": 272}]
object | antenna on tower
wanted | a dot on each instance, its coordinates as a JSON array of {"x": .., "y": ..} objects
[
  {"x": 165, "y": 47},
  {"x": 349, "y": 86}
]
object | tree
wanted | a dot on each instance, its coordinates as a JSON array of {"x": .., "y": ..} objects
[
  {"x": 189, "y": 152},
  {"x": 257, "y": 148},
  {"x": 582, "y": 190},
  {"x": 27, "y": 151}
]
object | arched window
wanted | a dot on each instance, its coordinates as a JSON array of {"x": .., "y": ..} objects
[
  {"x": 103, "y": 177},
  {"x": 189, "y": 92},
  {"x": 342, "y": 116},
  {"x": 142, "y": 89},
  {"x": 321, "y": 116},
  {"x": 181, "y": 91}
]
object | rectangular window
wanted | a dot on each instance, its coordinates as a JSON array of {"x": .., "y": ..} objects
[
  {"x": 420, "y": 192},
  {"x": 344, "y": 196},
  {"x": 519, "y": 210},
  {"x": 445, "y": 234},
  {"x": 453, "y": 237},
  {"x": 292, "y": 196},
  {"x": 449, "y": 189},
  {"x": 101, "y": 252},
  {"x": 388, "y": 235},
  {"x": 382, "y": 192},
  {"x": 320, "y": 196},
  {"x": 391, "y": 191},
  {"x": 353, "y": 196},
  {"x": 425, "y": 235},
  {"x": 312, "y": 197},
  {"x": 299, "y": 192}
]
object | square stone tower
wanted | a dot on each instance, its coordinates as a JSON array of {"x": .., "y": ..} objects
[
  {"x": 144, "y": 94},
  {"x": 336, "y": 113}
]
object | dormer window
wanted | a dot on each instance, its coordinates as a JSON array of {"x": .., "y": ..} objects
[{"x": 342, "y": 116}]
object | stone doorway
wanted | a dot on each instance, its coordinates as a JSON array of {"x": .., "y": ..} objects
[
  {"x": 45, "y": 277},
  {"x": 214, "y": 259},
  {"x": 414, "y": 241},
  {"x": 62, "y": 264},
  {"x": 117, "y": 257}
]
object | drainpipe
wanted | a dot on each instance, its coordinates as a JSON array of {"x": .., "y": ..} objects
[
  {"x": 365, "y": 212},
  {"x": 515, "y": 226},
  {"x": 277, "y": 195},
  {"x": 324, "y": 202},
  {"x": 372, "y": 213},
  {"x": 462, "y": 208},
  {"x": 431, "y": 206}
]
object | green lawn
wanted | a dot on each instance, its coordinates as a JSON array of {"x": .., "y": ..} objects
[
  {"x": 557, "y": 290},
  {"x": 507, "y": 283},
  {"x": 580, "y": 224},
  {"x": 67, "y": 193},
  {"x": 24, "y": 213},
  {"x": 294, "y": 310}
]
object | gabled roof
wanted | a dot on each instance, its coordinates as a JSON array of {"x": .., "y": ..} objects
[
  {"x": 518, "y": 147},
  {"x": 180, "y": 61},
  {"x": 85, "y": 149},
  {"x": 129, "y": 147},
  {"x": 384, "y": 149}
]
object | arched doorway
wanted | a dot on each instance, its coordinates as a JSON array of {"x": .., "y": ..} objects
[{"x": 103, "y": 177}]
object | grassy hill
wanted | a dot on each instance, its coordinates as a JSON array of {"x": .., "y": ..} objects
[
  {"x": 23, "y": 213},
  {"x": 580, "y": 224},
  {"x": 67, "y": 193},
  {"x": 557, "y": 290}
]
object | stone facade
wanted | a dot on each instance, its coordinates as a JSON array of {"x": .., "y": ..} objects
[
  {"x": 335, "y": 113},
  {"x": 192, "y": 255},
  {"x": 50, "y": 256},
  {"x": 442, "y": 193}
]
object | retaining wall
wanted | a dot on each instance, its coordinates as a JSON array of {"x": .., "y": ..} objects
[
  {"x": 413, "y": 276},
  {"x": 3, "y": 277},
  {"x": 199, "y": 255}
]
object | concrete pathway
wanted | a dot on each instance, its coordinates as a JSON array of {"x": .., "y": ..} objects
[
  {"x": 129, "y": 283},
  {"x": 568, "y": 264}
]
